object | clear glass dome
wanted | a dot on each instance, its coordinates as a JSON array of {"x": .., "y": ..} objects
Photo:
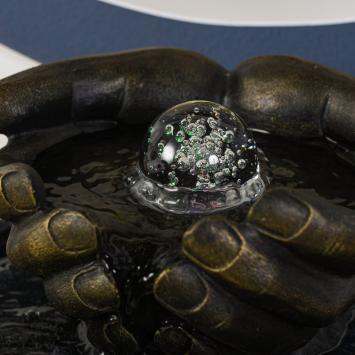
[{"x": 198, "y": 157}]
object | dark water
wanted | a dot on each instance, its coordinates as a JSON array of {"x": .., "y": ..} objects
[{"x": 89, "y": 173}]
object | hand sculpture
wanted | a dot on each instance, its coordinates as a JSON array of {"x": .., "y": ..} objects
[{"x": 263, "y": 286}]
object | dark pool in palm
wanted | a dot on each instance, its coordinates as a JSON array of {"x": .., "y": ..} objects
[{"x": 89, "y": 173}]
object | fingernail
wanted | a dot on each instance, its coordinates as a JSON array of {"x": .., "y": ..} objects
[
  {"x": 18, "y": 192},
  {"x": 180, "y": 288},
  {"x": 172, "y": 341},
  {"x": 72, "y": 231},
  {"x": 96, "y": 289},
  {"x": 122, "y": 340},
  {"x": 109, "y": 335},
  {"x": 212, "y": 243},
  {"x": 280, "y": 213}
]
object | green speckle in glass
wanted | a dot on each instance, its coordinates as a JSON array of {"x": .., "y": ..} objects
[{"x": 180, "y": 136}]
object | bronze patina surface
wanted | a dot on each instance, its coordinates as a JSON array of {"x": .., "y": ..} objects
[{"x": 263, "y": 286}]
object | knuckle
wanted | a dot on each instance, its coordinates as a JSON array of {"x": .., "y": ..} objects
[{"x": 321, "y": 309}]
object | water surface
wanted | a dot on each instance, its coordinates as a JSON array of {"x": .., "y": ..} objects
[{"x": 89, "y": 173}]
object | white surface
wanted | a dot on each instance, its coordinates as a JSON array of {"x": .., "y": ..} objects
[
  {"x": 12, "y": 62},
  {"x": 247, "y": 12},
  {"x": 3, "y": 140}
]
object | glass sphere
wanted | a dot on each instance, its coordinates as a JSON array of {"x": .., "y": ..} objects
[{"x": 198, "y": 156}]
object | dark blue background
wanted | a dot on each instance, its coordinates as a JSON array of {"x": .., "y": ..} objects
[
  {"x": 49, "y": 30},
  {"x": 56, "y": 29}
]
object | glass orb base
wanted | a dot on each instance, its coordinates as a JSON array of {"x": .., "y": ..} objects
[{"x": 182, "y": 200}]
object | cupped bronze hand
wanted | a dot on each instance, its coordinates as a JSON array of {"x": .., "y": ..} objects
[{"x": 263, "y": 286}]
